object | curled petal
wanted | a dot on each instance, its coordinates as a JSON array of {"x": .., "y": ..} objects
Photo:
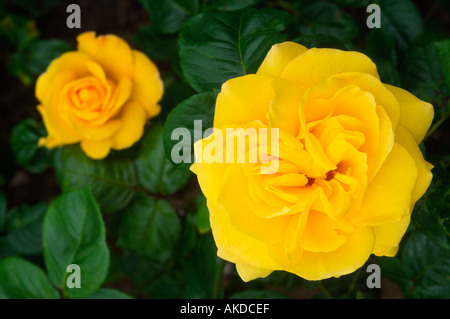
[
  {"x": 244, "y": 99},
  {"x": 314, "y": 64},
  {"x": 110, "y": 51},
  {"x": 424, "y": 175},
  {"x": 133, "y": 119},
  {"x": 278, "y": 57},
  {"x": 388, "y": 197},
  {"x": 147, "y": 85},
  {"x": 48, "y": 84},
  {"x": 96, "y": 149},
  {"x": 388, "y": 236},
  {"x": 247, "y": 272},
  {"x": 416, "y": 115},
  {"x": 347, "y": 258}
]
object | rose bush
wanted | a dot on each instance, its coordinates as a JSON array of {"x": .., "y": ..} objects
[
  {"x": 350, "y": 169},
  {"x": 100, "y": 95},
  {"x": 136, "y": 223}
]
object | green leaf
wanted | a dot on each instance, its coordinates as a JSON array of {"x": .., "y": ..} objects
[
  {"x": 438, "y": 195},
  {"x": 107, "y": 293},
  {"x": 24, "y": 226},
  {"x": 381, "y": 49},
  {"x": 320, "y": 41},
  {"x": 39, "y": 53},
  {"x": 155, "y": 172},
  {"x": 443, "y": 53},
  {"x": 112, "y": 180},
  {"x": 6, "y": 250},
  {"x": 353, "y": 3},
  {"x": 3, "y": 207},
  {"x": 180, "y": 131},
  {"x": 431, "y": 225},
  {"x": 400, "y": 19},
  {"x": 203, "y": 225},
  {"x": 17, "y": 66},
  {"x": 140, "y": 269},
  {"x": 150, "y": 227},
  {"x": 188, "y": 235},
  {"x": 74, "y": 233},
  {"x": 429, "y": 265},
  {"x": 327, "y": 19},
  {"x": 34, "y": 57},
  {"x": 258, "y": 294},
  {"x": 168, "y": 16},
  {"x": 393, "y": 270},
  {"x": 20, "y": 279},
  {"x": 231, "y": 5},
  {"x": 422, "y": 73},
  {"x": 31, "y": 8},
  {"x": 155, "y": 280},
  {"x": 175, "y": 92},
  {"x": 24, "y": 143},
  {"x": 16, "y": 31},
  {"x": 199, "y": 269},
  {"x": 165, "y": 286},
  {"x": 380, "y": 44},
  {"x": 156, "y": 45},
  {"x": 217, "y": 46}
]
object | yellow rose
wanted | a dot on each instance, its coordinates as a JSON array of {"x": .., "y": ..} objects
[
  {"x": 349, "y": 167},
  {"x": 100, "y": 95}
]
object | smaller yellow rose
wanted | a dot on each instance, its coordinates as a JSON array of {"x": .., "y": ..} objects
[{"x": 100, "y": 95}]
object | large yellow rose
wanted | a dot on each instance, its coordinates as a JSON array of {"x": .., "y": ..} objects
[
  {"x": 100, "y": 95},
  {"x": 349, "y": 170}
]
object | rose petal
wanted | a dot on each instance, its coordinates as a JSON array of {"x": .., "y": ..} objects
[
  {"x": 133, "y": 119},
  {"x": 416, "y": 115},
  {"x": 147, "y": 86},
  {"x": 96, "y": 149},
  {"x": 242, "y": 100},
  {"x": 110, "y": 51},
  {"x": 382, "y": 95},
  {"x": 247, "y": 272},
  {"x": 236, "y": 246},
  {"x": 314, "y": 64},
  {"x": 59, "y": 133},
  {"x": 69, "y": 62},
  {"x": 320, "y": 234},
  {"x": 241, "y": 214},
  {"x": 284, "y": 109},
  {"x": 388, "y": 236},
  {"x": 346, "y": 259},
  {"x": 424, "y": 175}
]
